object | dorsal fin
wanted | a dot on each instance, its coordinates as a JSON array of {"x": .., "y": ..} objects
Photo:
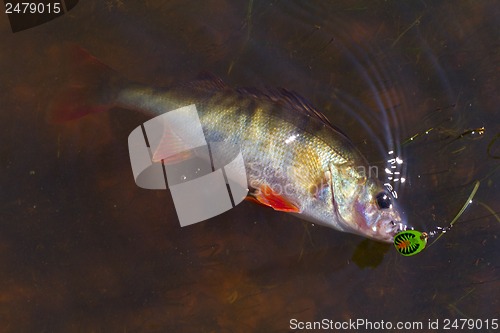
[
  {"x": 288, "y": 99},
  {"x": 206, "y": 80}
]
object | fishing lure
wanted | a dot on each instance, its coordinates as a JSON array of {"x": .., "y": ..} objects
[{"x": 411, "y": 242}]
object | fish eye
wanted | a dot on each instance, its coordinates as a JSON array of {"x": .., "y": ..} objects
[{"x": 383, "y": 200}]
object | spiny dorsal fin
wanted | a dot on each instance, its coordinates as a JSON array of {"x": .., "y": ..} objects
[
  {"x": 284, "y": 97},
  {"x": 288, "y": 99},
  {"x": 206, "y": 80}
]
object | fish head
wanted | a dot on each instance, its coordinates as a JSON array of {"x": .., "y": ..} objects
[
  {"x": 355, "y": 204},
  {"x": 376, "y": 212}
]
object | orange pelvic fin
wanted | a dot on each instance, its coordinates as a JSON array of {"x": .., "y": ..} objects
[{"x": 268, "y": 197}]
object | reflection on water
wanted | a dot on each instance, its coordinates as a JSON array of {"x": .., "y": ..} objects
[{"x": 84, "y": 249}]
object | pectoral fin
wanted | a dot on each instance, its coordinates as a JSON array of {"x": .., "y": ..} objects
[{"x": 320, "y": 185}]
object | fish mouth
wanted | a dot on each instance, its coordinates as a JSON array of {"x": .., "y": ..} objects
[
  {"x": 386, "y": 230},
  {"x": 391, "y": 229},
  {"x": 395, "y": 227}
]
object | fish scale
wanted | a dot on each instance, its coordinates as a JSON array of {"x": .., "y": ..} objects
[{"x": 312, "y": 168}]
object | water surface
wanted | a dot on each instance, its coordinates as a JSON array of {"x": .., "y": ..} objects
[{"x": 85, "y": 250}]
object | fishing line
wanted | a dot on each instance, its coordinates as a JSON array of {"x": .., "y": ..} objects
[{"x": 411, "y": 242}]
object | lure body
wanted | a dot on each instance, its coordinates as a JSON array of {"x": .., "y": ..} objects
[{"x": 410, "y": 242}]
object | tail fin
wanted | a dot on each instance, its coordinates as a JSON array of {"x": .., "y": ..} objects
[{"x": 92, "y": 88}]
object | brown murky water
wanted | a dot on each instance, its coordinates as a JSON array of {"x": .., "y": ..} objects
[{"x": 82, "y": 249}]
